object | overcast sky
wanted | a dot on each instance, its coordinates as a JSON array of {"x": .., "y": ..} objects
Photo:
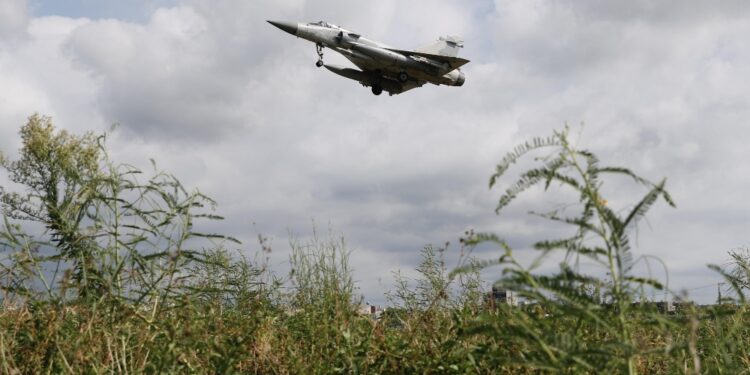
[{"x": 236, "y": 108}]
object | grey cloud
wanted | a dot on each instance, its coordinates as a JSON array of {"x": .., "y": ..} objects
[
  {"x": 180, "y": 76},
  {"x": 678, "y": 14},
  {"x": 567, "y": 40}
]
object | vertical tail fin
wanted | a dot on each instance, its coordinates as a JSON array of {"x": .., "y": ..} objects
[{"x": 445, "y": 46}]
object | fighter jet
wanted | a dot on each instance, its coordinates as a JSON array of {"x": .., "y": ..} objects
[{"x": 384, "y": 68}]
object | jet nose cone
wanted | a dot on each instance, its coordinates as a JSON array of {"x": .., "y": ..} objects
[{"x": 289, "y": 27}]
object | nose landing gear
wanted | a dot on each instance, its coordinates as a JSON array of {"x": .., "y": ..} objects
[{"x": 319, "y": 50}]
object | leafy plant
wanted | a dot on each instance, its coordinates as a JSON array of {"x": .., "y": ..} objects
[
  {"x": 600, "y": 335},
  {"x": 106, "y": 234}
]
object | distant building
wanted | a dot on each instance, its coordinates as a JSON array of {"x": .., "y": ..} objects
[
  {"x": 665, "y": 307},
  {"x": 370, "y": 310},
  {"x": 502, "y": 296}
]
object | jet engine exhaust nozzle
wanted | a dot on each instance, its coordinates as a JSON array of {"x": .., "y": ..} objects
[{"x": 461, "y": 79}]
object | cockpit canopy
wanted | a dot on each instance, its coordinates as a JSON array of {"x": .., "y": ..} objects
[{"x": 323, "y": 24}]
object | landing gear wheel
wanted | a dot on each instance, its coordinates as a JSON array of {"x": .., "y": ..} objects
[
  {"x": 377, "y": 90},
  {"x": 319, "y": 50},
  {"x": 402, "y": 77}
]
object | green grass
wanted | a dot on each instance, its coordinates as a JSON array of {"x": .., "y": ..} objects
[{"x": 119, "y": 280}]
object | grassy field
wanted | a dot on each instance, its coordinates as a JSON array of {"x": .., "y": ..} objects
[{"x": 105, "y": 270}]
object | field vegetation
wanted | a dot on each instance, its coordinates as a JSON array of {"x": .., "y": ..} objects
[{"x": 105, "y": 270}]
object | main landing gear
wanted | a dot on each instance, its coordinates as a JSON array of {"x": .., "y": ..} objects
[
  {"x": 377, "y": 90},
  {"x": 319, "y": 50},
  {"x": 402, "y": 77}
]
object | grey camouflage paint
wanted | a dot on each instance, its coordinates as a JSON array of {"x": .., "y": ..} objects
[{"x": 382, "y": 67}]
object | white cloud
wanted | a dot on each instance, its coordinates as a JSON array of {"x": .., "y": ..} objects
[
  {"x": 37, "y": 77},
  {"x": 13, "y": 18}
]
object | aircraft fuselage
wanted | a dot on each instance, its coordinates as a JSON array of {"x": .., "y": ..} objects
[{"x": 378, "y": 61}]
